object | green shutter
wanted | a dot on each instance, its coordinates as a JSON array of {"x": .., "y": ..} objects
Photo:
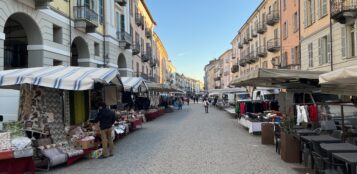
[
  {"x": 305, "y": 13},
  {"x": 328, "y": 49},
  {"x": 313, "y": 11},
  {"x": 320, "y": 51},
  {"x": 343, "y": 42}
]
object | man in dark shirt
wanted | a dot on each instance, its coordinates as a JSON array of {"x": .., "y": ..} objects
[{"x": 106, "y": 119}]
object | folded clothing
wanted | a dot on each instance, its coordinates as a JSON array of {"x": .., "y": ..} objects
[
  {"x": 21, "y": 143},
  {"x": 70, "y": 151}
]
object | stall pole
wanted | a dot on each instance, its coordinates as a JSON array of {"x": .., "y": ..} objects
[{"x": 343, "y": 123}]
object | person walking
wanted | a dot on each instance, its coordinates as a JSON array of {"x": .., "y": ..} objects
[
  {"x": 205, "y": 104},
  {"x": 180, "y": 103},
  {"x": 106, "y": 119}
]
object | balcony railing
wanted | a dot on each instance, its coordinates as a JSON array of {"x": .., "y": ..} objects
[
  {"x": 121, "y": 2},
  {"x": 153, "y": 63},
  {"x": 135, "y": 48},
  {"x": 85, "y": 18},
  {"x": 148, "y": 33},
  {"x": 254, "y": 32},
  {"x": 139, "y": 20},
  {"x": 262, "y": 27},
  {"x": 341, "y": 9},
  {"x": 233, "y": 56},
  {"x": 146, "y": 56},
  {"x": 242, "y": 62},
  {"x": 217, "y": 78},
  {"x": 262, "y": 51},
  {"x": 273, "y": 17},
  {"x": 143, "y": 75},
  {"x": 124, "y": 39},
  {"x": 42, "y": 4},
  {"x": 240, "y": 45},
  {"x": 273, "y": 45},
  {"x": 245, "y": 40},
  {"x": 253, "y": 57},
  {"x": 235, "y": 68}
]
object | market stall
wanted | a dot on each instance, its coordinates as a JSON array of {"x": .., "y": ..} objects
[{"x": 56, "y": 104}]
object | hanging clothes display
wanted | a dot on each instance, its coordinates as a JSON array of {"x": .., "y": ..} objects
[{"x": 313, "y": 113}]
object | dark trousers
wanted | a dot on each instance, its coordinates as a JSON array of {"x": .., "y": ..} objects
[{"x": 206, "y": 109}]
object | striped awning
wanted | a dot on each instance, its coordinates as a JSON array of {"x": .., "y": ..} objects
[
  {"x": 134, "y": 84},
  {"x": 60, "y": 77}
]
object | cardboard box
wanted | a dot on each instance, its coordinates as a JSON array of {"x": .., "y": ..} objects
[
  {"x": 86, "y": 144},
  {"x": 6, "y": 154}
]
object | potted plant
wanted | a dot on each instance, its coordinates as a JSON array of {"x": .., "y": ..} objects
[{"x": 289, "y": 145}]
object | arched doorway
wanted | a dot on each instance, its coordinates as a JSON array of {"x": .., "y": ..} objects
[
  {"x": 79, "y": 100},
  {"x": 122, "y": 65},
  {"x": 79, "y": 50},
  {"x": 20, "y": 32}
]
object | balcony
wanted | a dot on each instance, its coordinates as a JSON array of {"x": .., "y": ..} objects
[
  {"x": 262, "y": 28},
  {"x": 124, "y": 40},
  {"x": 242, "y": 62},
  {"x": 153, "y": 63},
  {"x": 135, "y": 48},
  {"x": 342, "y": 9},
  {"x": 148, "y": 33},
  {"x": 142, "y": 75},
  {"x": 145, "y": 57},
  {"x": 233, "y": 56},
  {"x": 42, "y": 4},
  {"x": 254, "y": 33},
  {"x": 235, "y": 68},
  {"x": 85, "y": 18},
  {"x": 262, "y": 51},
  {"x": 273, "y": 18},
  {"x": 245, "y": 40},
  {"x": 217, "y": 78},
  {"x": 240, "y": 45},
  {"x": 273, "y": 45},
  {"x": 252, "y": 57},
  {"x": 121, "y": 2},
  {"x": 139, "y": 20}
]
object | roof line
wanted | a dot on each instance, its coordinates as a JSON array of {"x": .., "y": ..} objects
[{"x": 147, "y": 10}]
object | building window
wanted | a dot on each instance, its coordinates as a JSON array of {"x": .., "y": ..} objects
[
  {"x": 324, "y": 50},
  {"x": 265, "y": 64},
  {"x": 310, "y": 54},
  {"x": 293, "y": 56},
  {"x": 309, "y": 12},
  {"x": 285, "y": 30},
  {"x": 284, "y": 5},
  {"x": 57, "y": 34},
  {"x": 284, "y": 61},
  {"x": 295, "y": 22},
  {"x": 122, "y": 23},
  {"x": 101, "y": 11},
  {"x": 351, "y": 40},
  {"x": 96, "y": 49},
  {"x": 322, "y": 6}
]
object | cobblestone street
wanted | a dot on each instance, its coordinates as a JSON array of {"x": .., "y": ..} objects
[{"x": 188, "y": 141}]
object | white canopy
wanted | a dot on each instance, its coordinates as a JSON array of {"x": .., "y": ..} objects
[
  {"x": 136, "y": 84},
  {"x": 342, "y": 81},
  {"x": 60, "y": 77}
]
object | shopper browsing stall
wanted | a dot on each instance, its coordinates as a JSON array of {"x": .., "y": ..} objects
[{"x": 106, "y": 119}]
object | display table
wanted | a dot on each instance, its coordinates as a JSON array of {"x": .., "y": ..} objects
[
  {"x": 349, "y": 158},
  {"x": 17, "y": 165},
  {"x": 136, "y": 123},
  {"x": 253, "y": 127},
  {"x": 152, "y": 115},
  {"x": 73, "y": 159}
]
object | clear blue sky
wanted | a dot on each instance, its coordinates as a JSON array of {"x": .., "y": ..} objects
[{"x": 196, "y": 31}]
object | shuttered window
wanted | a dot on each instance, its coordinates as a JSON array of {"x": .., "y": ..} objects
[
  {"x": 293, "y": 54},
  {"x": 310, "y": 55},
  {"x": 343, "y": 42}
]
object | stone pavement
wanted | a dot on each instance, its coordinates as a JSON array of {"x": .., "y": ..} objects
[{"x": 188, "y": 142}]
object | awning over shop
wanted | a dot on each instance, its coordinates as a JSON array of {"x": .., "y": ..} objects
[
  {"x": 60, "y": 77},
  {"x": 154, "y": 87},
  {"x": 134, "y": 84},
  {"x": 227, "y": 90},
  {"x": 279, "y": 78},
  {"x": 342, "y": 81}
]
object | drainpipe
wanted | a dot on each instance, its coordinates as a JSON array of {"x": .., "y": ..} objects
[
  {"x": 299, "y": 35},
  {"x": 331, "y": 59},
  {"x": 70, "y": 32},
  {"x": 105, "y": 56},
  {"x": 281, "y": 38}
]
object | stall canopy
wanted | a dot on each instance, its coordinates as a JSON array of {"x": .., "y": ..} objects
[
  {"x": 342, "y": 81},
  {"x": 227, "y": 90},
  {"x": 134, "y": 84},
  {"x": 280, "y": 78},
  {"x": 60, "y": 77}
]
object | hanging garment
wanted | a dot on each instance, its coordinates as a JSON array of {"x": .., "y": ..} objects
[
  {"x": 303, "y": 114},
  {"x": 313, "y": 113},
  {"x": 242, "y": 108},
  {"x": 298, "y": 116}
]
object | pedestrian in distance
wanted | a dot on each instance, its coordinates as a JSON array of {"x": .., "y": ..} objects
[
  {"x": 188, "y": 100},
  {"x": 205, "y": 104},
  {"x": 180, "y": 103},
  {"x": 106, "y": 119}
]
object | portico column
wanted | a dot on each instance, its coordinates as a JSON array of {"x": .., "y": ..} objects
[{"x": 2, "y": 39}]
